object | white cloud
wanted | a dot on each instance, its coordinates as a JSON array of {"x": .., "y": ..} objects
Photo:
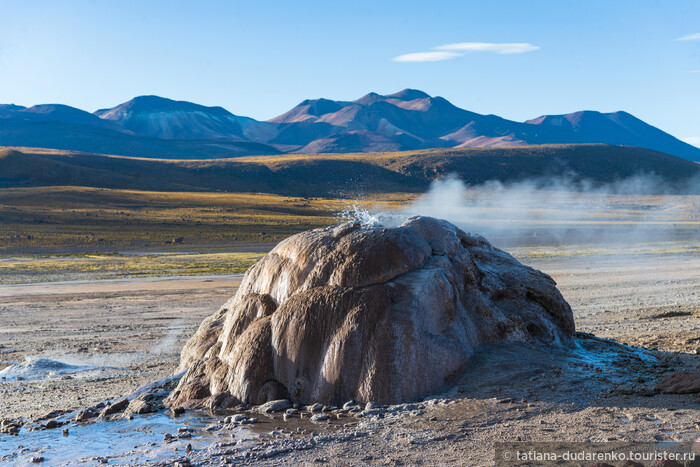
[
  {"x": 695, "y": 71},
  {"x": 426, "y": 57},
  {"x": 694, "y": 140},
  {"x": 502, "y": 48},
  {"x": 449, "y": 51},
  {"x": 690, "y": 37}
]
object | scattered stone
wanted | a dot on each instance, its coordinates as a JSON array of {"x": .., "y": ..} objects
[
  {"x": 313, "y": 408},
  {"x": 140, "y": 406},
  {"x": 86, "y": 414},
  {"x": 320, "y": 417},
  {"x": 115, "y": 407},
  {"x": 51, "y": 424},
  {"x": 36, "y": 460},
  {"x": 235, "y": 418},
  {"x": 275, "y": 406},
  {"x": 372, "y": 405}
]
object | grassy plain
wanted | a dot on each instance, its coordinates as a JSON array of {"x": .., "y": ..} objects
[
  {"x": 77, "y": 219},
  {"x": 67, "y": 233},
  {"x": 61, "y": 233}
]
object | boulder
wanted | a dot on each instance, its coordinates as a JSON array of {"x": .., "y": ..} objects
[{"x": 367, "y": 313}]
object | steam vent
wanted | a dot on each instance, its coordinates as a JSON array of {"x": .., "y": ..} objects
[{"x": 367, "y": 313}]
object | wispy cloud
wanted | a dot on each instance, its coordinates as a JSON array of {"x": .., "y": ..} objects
[
  {"x": 502, "y": 48},
  {"x": 694, "y": 140},
  {"x": 690, "y": 37},
  {"x": 426, "y": 57},
  {"x": 695, "y": 71},
  {"x": 449, "y": 51}
]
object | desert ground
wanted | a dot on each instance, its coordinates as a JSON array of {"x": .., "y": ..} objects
[{"x": 116, "y": 334}]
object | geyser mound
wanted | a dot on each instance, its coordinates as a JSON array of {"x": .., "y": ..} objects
[{"x": 367, "y": 313}]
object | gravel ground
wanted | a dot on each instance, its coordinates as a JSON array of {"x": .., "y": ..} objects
[{"x": 598, "y": 392}]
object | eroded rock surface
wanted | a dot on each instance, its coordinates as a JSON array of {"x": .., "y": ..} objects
[{"x": 367, "y": 313}]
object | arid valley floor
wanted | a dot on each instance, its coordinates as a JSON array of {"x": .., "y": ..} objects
[{"x": 129, "y": 331}]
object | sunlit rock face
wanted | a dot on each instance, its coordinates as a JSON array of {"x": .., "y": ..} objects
[{"x": 367, "y": 313}]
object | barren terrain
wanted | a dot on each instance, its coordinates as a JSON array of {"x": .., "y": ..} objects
[{"x": 132, "y": 331}]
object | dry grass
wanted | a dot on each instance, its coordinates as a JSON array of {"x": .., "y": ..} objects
[
  {"x": 55, "y": 218},
  {"x": 27, "y": 269}
]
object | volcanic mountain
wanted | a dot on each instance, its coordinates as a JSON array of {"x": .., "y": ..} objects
[
  {"x": 157, "y": 117},
  {"x": 152, "y": 126}
]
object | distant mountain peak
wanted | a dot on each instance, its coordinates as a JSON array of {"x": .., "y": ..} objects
[
  {"x": 160, "y": 117},
  {"x": 151, "y": 103},
  {"x": 370, "y": 98},
  {"x": 408, "y": 94}
]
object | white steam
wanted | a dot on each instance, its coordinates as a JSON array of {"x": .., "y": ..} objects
[{"x": 555, "y": 211}]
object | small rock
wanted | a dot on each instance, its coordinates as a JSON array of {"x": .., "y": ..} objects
[
  {"x": 36, "y": 460},
  {"x": 320, "y": 417},
  {"x": 275, "y": 406},
  {"x": 139, "y": 406},
  {"x": 115, "y": 407},
  {"x": 315, "y": 408},
  {"x": 372, "y": 405},
  {"x": 51, "y": 424},
  {"x": 350, "y": 404},
  {"x": 65, "y": 432}
]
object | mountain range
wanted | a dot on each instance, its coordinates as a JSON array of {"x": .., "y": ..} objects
[{"x": 152, "y": 126}]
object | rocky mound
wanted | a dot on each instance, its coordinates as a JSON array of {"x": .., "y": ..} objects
[{"x": 367, "y": 313}]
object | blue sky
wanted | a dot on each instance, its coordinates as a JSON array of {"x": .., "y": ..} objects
[{"x": 260, "y": 58}]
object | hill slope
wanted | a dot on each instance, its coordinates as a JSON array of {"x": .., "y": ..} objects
[
  {"x": 619, "y": 128},
  {"x": 341, "y": 174}
]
